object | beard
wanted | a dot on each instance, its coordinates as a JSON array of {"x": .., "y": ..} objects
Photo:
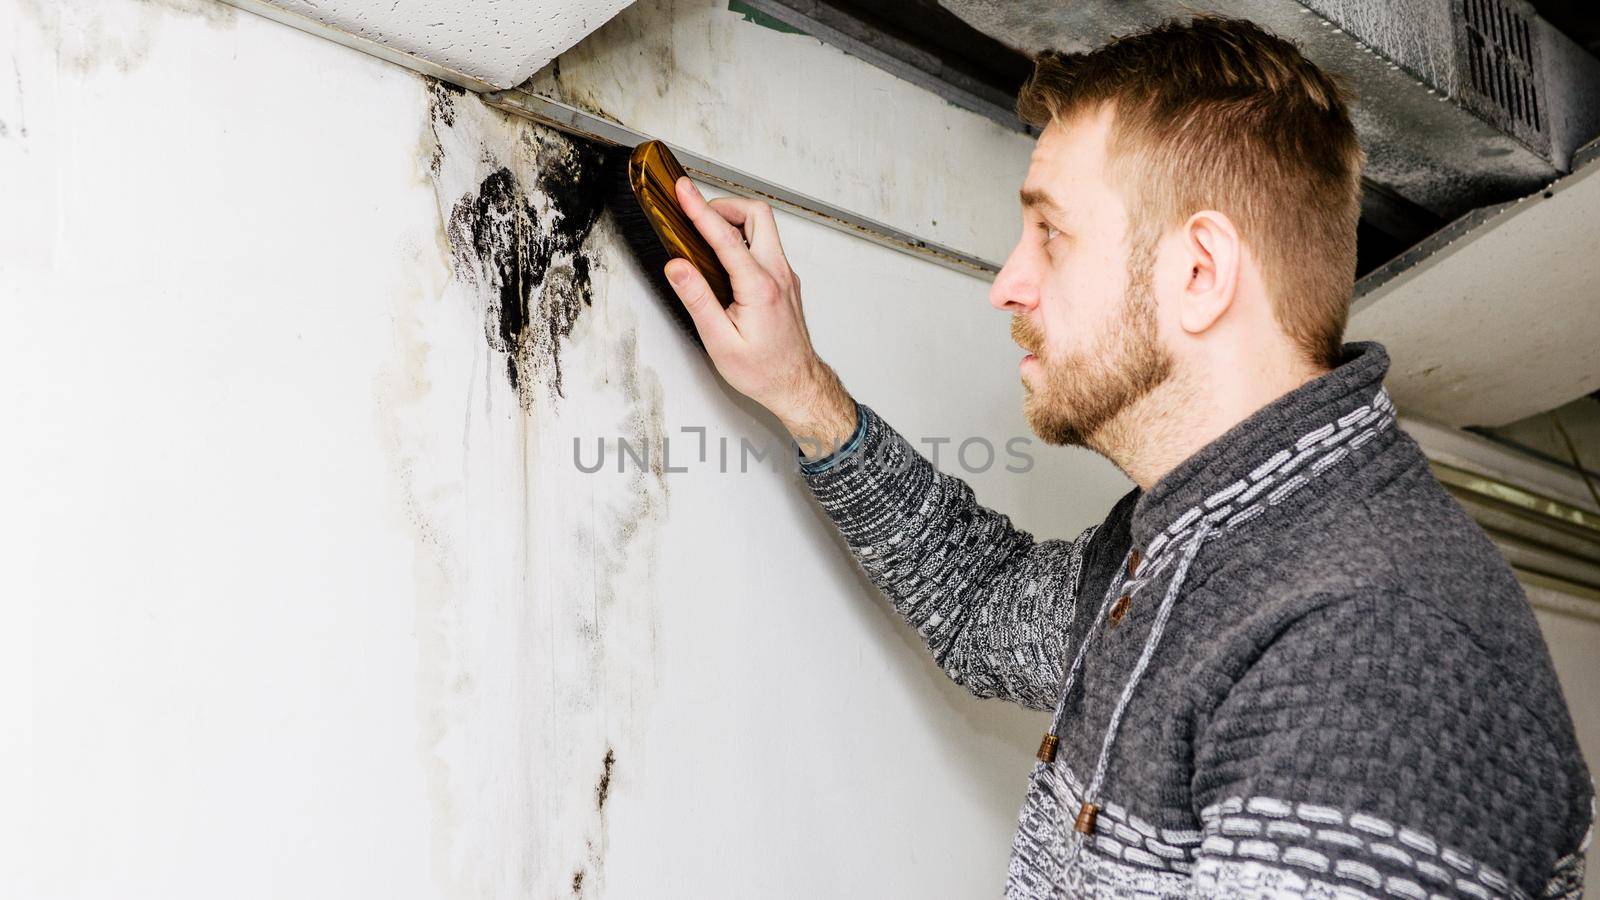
[{"x": 1080, "y": 394}]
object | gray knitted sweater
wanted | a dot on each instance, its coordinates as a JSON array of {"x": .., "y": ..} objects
[{"x": 1324, "y": 682}]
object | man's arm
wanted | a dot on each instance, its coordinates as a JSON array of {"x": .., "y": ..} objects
[
  {"x": 1374, "y": 749},
  {"x": 994, "y": 605}
]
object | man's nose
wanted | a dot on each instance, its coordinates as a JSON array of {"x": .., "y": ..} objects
[{"x": 1016, "y": 287}]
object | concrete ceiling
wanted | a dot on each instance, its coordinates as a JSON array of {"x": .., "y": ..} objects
[
  {"x": 1496, "y": 317},
  {"x": 482, "y": 44}
]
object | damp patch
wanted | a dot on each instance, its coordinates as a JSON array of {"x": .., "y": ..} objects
[
  {"x": 537, "y": 608},
  {"x": 90, "y": 34},
  {"x": 603, "y": 790}
]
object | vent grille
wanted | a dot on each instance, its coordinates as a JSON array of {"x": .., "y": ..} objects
[{"x": 1501, "y": 47}]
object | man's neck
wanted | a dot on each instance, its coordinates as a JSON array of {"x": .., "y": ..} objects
[{"x": 1155, "y": 434}]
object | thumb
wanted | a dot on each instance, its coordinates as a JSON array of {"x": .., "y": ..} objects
[{"x": 710, "y": 319}]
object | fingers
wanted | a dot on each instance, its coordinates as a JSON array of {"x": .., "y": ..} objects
[
  {"x": 725, "y": 240},
  {"x": 760, "y": 230},
  {"x": 710, "y": 319}
]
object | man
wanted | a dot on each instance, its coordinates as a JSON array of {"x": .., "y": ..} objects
[{"x": 1287, "y": 663}]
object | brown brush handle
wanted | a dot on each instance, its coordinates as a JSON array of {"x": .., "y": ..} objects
[{"x": 654, "y": 172}]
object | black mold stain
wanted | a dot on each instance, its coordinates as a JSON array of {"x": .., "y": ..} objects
[
  {"x": 530, "y": 254},
  {"x": 441, "y": 114},
  {"x": 603, "y": 789},
  {"x": 442, "y": 100}
]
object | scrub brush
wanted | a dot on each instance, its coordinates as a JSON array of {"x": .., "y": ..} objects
[{"x": 657, "y": 230}]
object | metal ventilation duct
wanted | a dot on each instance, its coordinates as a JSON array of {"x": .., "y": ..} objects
[{"x": 1460, "y": 103}]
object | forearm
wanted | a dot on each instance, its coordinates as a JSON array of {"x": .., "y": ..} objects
[
  {"x": 992, "y": 604},
  {"x": 822, "y": 416}
]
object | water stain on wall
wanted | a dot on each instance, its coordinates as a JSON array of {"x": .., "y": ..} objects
[
  {"x": 548, "y": 81},
  {"x": 526, "y": 246},
  {"x": 14, "y": 105},
  {"x": 603, "y": 789},
  {"x": 537, "y": 619},
  {"x": 622, "y": 534},
  {"x": 652, "y": 37},
  {"x": 89, "y": 34},
  {"x": 602, "y": 792}
]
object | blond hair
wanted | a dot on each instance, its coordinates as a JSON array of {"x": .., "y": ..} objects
[{"x": 1220, "y": 114}]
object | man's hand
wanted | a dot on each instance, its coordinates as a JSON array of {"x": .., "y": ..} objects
[{"x": 760, "y": 344}]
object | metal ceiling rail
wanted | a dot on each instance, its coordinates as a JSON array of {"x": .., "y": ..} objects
[{"x": 591, "y": 127}]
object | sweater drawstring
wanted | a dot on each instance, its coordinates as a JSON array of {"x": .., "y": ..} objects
[
  {"x": 1085, "y": 822},
  {"x": 1052, "y": 738}
]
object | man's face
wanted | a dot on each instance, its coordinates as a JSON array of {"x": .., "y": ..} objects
[{"x": 1082, "y": 305}]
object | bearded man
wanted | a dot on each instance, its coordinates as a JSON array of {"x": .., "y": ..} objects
[{"x": 1286, "y": 663}]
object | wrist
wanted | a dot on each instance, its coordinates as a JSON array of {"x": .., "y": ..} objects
[{"x": 825, "y": 417}]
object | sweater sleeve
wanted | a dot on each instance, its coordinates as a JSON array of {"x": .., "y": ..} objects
[
  {"x": 993, "y": 605},
  {"x": 1374, "y": 749}
]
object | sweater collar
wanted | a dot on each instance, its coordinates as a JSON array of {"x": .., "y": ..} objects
[{"x": 1289, "y": 428}]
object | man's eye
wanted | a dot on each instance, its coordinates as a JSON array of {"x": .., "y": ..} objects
[{"x": 1050, "y": 231}]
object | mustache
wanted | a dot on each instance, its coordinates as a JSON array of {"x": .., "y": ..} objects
[{"x": 1027, "y": 335}]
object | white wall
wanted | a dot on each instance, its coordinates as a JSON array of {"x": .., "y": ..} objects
[
  {"x": 1575, "y": 647},
  {"x": 314, "y": 604},
  {"x": 305, "y": 599}
]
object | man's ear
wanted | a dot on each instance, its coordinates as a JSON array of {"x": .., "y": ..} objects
[{"x": 1211, "y": 245}]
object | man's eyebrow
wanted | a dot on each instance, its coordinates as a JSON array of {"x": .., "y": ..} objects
[{"x": 1036, "y": 197}]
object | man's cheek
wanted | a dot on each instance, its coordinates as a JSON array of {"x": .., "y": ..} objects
[{"x": 1061, "y": 342}]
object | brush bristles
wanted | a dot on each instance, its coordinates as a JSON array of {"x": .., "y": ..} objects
[{"x": 644, "y": 245}]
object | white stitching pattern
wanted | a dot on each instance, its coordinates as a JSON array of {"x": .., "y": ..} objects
[
  {"x": 1132, "y": 842},
  {"x": 1235, "y": 504},
  {"x": 1097, "y": 876},
  {"x": 1251, "y": 880},
  {"x": 1310, "y": 859},
  {"x": 1358, "y": 871},
  {"x": 1232, "y": 817}
]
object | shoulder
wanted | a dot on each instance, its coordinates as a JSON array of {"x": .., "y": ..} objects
[
  {"x": 1402, "y": 551},
  {"x": 1378, "y": 709}
]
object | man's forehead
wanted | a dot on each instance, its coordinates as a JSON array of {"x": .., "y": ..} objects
[
  {"x": 1042, "y": 186},
  {"x": 1045, "y": 149},
  {"x": 1063, "y": 157}
]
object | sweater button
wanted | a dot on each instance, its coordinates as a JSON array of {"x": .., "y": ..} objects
[
  {"x": 1133, "y": 561},
  {"x": 1087, "y": 814},
  {"x": 1119, "y": 609}
]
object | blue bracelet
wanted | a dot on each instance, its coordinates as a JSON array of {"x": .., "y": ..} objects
[{"x": 817, "y": 467}]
